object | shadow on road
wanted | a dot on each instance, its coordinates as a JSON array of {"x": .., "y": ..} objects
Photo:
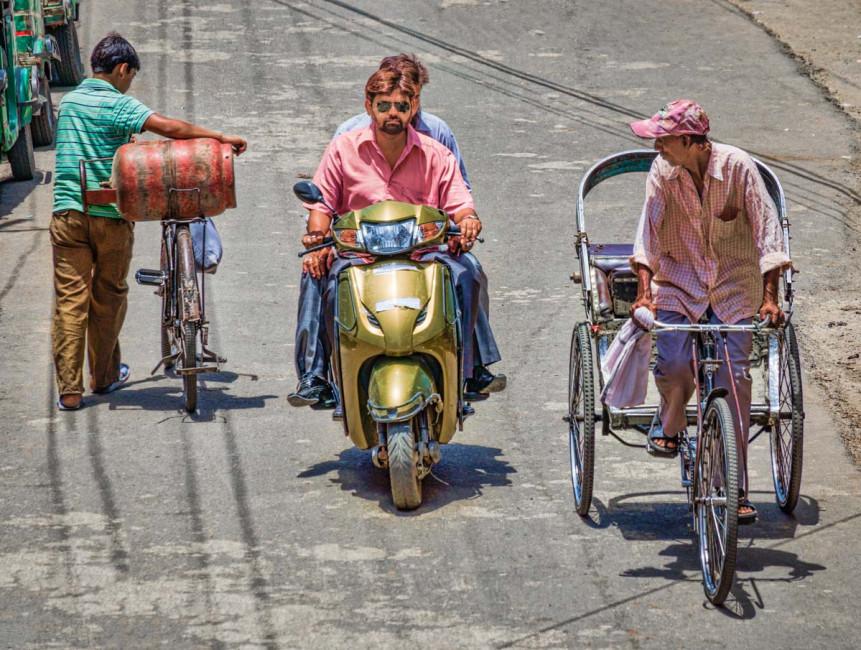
[
  {"x": 464, "y": 472},
  {"x": 13, "y": 193},
  {"x": 164, "y": 393},
  {"x": 745, "y": 598},
  {"x": 648, "y": 516}
]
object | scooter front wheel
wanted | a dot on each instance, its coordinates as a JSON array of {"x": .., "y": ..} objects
[{"x": 403, "y": 470}]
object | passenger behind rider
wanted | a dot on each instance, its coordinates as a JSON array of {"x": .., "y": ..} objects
[
  {"x": 92, "y": 251},
  {"x": 708, "y": 244},
  {"x": 311, "y": 353}
]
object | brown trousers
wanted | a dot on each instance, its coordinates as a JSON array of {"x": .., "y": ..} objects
[{"x": 91, "y": 261}]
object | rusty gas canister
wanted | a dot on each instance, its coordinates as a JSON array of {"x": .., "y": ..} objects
[{"x": 173, "y": 179}]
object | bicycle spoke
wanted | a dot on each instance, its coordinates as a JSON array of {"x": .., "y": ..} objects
[{"x": 718, "y": 527}]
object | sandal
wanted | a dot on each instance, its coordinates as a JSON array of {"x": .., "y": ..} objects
[
  {"x": 747, "y": 518},
  {"x": 63, "y": 407},
  {"x": 125, "y": 371},
  {"x": 666, "y": 451}
]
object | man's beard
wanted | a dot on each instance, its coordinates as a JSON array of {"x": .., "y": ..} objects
[{"x": 392, "y": 127}]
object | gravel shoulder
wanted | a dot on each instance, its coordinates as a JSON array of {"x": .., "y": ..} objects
[{"x": 825, "y": 39}]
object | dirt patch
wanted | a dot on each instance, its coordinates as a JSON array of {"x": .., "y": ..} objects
[{"x": 825, "y": 38}]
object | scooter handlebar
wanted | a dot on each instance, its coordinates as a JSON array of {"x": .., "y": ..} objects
[
  {"x": 327, "y": 241},
  {"x": 454, "y": 231}
]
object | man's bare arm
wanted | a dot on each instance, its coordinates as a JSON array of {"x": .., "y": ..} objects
[{"x": 178, "y": 130}]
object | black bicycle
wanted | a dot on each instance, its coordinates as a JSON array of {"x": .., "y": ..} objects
[{"x": 183, "y": 306}]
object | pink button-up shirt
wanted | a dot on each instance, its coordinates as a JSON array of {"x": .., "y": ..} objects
[
  {"x": 710, "y": 251},
  {"x": 354, "y": 174}
]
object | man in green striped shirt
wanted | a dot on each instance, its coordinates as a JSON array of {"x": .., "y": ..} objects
[{"x": 92, "y": 251}]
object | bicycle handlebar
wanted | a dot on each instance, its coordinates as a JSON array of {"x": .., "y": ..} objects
[{"x": 764, "y": 325}]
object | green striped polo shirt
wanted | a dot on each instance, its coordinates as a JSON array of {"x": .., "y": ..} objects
[{"x": 94, "y": 120}]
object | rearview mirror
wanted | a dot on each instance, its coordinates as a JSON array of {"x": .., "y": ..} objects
[{"x": 308, "y": 192}]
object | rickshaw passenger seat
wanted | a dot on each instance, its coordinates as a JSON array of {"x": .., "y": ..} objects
[{"x": 611, "y": 258}]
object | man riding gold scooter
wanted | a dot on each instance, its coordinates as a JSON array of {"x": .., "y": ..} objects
[{"x": 400, "y": 307}]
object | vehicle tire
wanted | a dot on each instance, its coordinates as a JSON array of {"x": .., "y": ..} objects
[
  {"x": 581, "y": 418},
  {"x": 44, "y": 124},
  {"x": 716, "y": 500},
  {"x": 189, "y": 360},
  {"x": 186, "y": 276},
  {"x": 70, "y": 67},
  {"x": 787, "y": 437},
  {"x": 166, "y": 297},
  {"x": 403, "y": 471},
  {"x": 21, "y": 157}
]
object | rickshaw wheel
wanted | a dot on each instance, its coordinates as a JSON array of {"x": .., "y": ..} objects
[
  {"x": 787, "y": 436},
  {"x": 716, "y": 500},
  {"x": 581, "y": 418}
]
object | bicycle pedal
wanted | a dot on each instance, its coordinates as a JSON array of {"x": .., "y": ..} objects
[{"x": 151, "y": 277}]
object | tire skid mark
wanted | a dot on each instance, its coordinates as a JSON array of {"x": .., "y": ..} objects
[
  {"x": 259, "y": 583},
  {"x": 119, "y": 553},
  {"x": 65, "y": 554},
  {"x": 201, "y": 558}
]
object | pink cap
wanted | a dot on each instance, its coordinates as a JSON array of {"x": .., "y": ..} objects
[{"x": 681, "y": 117}]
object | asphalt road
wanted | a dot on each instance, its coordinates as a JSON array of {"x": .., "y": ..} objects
[{"x": 253, "y": 524}]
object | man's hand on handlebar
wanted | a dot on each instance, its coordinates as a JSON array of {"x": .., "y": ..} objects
[
  {"x": 470, "y": 227},
  {"x": 313, "y": 238},
  {"x": 644, "y": 301},
  {"x": 770, "y": 310}
]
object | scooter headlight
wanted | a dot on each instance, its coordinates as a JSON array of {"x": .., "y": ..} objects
[{"x": 388, "y": 238}]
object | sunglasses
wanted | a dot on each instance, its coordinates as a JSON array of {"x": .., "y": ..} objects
[{"x": 400, "y": 107}]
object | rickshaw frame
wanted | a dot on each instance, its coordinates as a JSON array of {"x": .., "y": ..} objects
[{"x": 708, "y": 457}]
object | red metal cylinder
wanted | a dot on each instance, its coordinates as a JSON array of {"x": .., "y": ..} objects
[{"x": 174, "y": 179}]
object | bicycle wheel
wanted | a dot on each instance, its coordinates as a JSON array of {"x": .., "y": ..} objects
[
  {"x": 787, "y": 436},
  {"x": 189, "y": 360},
  {"x": 581, "y": 418},
  {"x": 166, "y": 297},
  {"x": 716, "y": 500},
  {"x": 189, "y": 314}
]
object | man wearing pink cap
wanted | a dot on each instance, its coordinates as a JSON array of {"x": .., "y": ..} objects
[{"x": 708, "y": 246}]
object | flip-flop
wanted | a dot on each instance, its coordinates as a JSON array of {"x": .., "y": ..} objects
[
  {"x": 747, "y": 518},
  {"x": 63, "y": 407},
  {"x": 665, "y": 452},
  {"x": 125, "y": 371}
]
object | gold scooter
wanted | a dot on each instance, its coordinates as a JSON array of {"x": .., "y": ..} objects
[{"x": 398, "y": 349}]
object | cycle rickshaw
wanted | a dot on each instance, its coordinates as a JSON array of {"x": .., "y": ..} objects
[{"x": 707, "y": 453}]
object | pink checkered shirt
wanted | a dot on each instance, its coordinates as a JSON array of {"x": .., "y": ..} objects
[{"x": 712, "y": 251}]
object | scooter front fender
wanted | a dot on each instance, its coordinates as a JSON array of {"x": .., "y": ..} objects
[{"x": 399, "y": 388}]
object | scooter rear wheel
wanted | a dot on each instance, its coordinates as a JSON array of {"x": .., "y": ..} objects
[{"x": 403, "y": 471}]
